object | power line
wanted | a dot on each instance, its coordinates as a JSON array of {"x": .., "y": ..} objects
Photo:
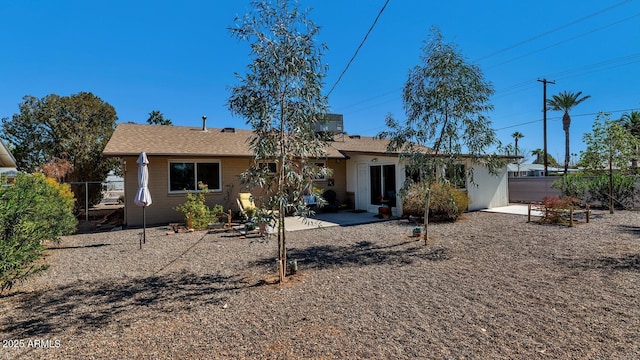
[
  {"x": 564, "y": 41},
  {"x": 560, "y": 118},
  {"x": 551, "y": 31},
  {"x": 358, "y": 49}
]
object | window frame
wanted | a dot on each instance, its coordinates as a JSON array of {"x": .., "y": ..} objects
[
  {"x": 269, "y": 165},
  {"x": 461, "y": 182},
  {"x": 320, "y": 164},
  {"x": 195, "y": 175}
]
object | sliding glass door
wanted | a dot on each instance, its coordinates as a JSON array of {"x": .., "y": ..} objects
[{"x": 382, "y": 179}]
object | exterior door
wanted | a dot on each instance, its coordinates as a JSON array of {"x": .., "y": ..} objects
[{"x": 383, "y": 184}]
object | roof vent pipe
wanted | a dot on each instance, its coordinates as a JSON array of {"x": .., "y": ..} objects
[{"x": 204, "y": 122}]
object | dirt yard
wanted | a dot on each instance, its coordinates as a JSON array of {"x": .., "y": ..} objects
[{"x": 490, "y": 286}]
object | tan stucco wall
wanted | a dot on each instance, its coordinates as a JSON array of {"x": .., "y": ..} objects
[
  {"x": 339, "y": 178},
  {"x": 162, "y": 210}
]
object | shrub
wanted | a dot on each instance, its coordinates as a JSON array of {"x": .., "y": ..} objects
[
  {"x": 554, "y": 208},
  {"x": 34, "y": 209},
  {"x": 446, "y": 202},
  {"x": 624, "y": 190},
  {"x": 572, "y": 185},
  {"x": 196, "y": 213}
]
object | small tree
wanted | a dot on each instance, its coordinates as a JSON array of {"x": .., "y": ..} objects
[
  {"x": 446, "y": 101},
  {"x": 280, "y": 98},
  {"x": 609, "y": 145}
]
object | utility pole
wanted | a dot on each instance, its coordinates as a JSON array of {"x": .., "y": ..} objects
[{"x": 544, "y": 120}]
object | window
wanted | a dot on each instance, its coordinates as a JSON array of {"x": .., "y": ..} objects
[
  {"x": 186, "y": 175},
  {"x": 457, "y": 176},
  {"x": 322, "y": 175},
  {"x": 270, "y": 167}
]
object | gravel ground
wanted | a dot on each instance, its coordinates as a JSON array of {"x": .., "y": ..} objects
[{"x": 489, "y": 286}]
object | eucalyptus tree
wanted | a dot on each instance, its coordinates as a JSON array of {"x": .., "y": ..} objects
[
  {"x": 610, "y": 144},
  {"x": 280, "y": 98},
  {"x": 446, "y": 101},
  {"x": 565, "y": 101}
]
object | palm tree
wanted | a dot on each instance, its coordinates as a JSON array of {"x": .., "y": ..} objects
[
  {"x": 516, "y": 136},
  {"x": 565, "y": 101},
  {"x": 631, "y": 121},
  {"x": 538, "y": 153}
]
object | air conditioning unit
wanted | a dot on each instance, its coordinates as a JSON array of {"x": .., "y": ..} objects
[{"x": 334, "y": 123}]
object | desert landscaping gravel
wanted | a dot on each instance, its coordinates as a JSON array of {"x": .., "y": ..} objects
[{"x": 490, "y": 286}]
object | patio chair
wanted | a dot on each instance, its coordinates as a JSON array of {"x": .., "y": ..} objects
[
  {"x": 246, "y": 205},
  {"x": 248, "y": 210},
  {"x": 332, "y": 201}
]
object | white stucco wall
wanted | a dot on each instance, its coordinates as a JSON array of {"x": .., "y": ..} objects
[
  {"x": 489, "y": 191},
  {"x": 362, "y": 197}
]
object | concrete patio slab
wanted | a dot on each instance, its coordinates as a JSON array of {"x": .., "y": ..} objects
[
  {"x": 515, "y": 209},
  {"x": 322, "y": 220}
]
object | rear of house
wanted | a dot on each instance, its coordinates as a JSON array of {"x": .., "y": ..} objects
[{"x": 365, "y": 175}]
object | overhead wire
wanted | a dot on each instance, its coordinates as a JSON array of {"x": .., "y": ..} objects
[
  {"x": 552, "y": 31},
  {"x": 359, "y": 47},
  {"x": 560, "y": 118},
  {"x": 525, "y": 84},
  {"x": 564, "y": 41}
]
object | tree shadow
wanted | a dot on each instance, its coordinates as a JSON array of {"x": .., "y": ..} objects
[
  {"x": 77, "y": 247},
  {"x": 628, "y": 262},
  {"x": 362, "y": 253},
  {"x": 92, "y": 305},
  {"x": 633, "y": 230}
]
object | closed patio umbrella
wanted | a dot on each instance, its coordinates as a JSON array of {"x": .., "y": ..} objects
[{"x": 143, "y": 196}]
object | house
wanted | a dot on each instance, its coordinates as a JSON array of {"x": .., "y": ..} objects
[
  {"x": 7, "y": 163},
  {"x": 364, "y": 175},
  {"x": 521, "y": 170}
]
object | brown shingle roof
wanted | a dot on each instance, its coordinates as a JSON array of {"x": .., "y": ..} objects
[{"x": 132, "y": 139}]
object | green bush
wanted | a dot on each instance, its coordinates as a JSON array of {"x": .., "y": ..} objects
[
  {"x": 196, "y": 213},
  {"x": 33, "y": 209},
  {"x": 572, "y": 186},
  {"x": 446, "y": 202},
  {"x": 624, "y": 190}
]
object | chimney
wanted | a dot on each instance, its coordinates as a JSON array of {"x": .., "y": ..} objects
[{"x": 204, "y": 122}]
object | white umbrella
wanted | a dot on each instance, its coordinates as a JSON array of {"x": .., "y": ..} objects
[{"x": 143, "y": 196}]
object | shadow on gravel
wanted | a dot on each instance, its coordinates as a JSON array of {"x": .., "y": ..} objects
[
  {"x": 362, "y": 253},
  {"x": 87, "y": 306},
  {"x": 633, "y": 230},
  {"x": 77, "y": 247},
  {"x": 628, "y": 262}
]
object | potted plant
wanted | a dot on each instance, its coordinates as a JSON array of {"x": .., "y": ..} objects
[{"x": 417, "y": 232}]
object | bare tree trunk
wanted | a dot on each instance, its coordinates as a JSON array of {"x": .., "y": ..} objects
[
  {"x": 426, "y": 216},
  {"x": 566, "y": 122},
  {"x": 610, "y": 185}
]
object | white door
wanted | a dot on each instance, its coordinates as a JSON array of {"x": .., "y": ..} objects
[{"x": 362, "y": 190}]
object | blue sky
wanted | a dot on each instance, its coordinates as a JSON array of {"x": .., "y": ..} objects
[{"x": 178, "y": 57}]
